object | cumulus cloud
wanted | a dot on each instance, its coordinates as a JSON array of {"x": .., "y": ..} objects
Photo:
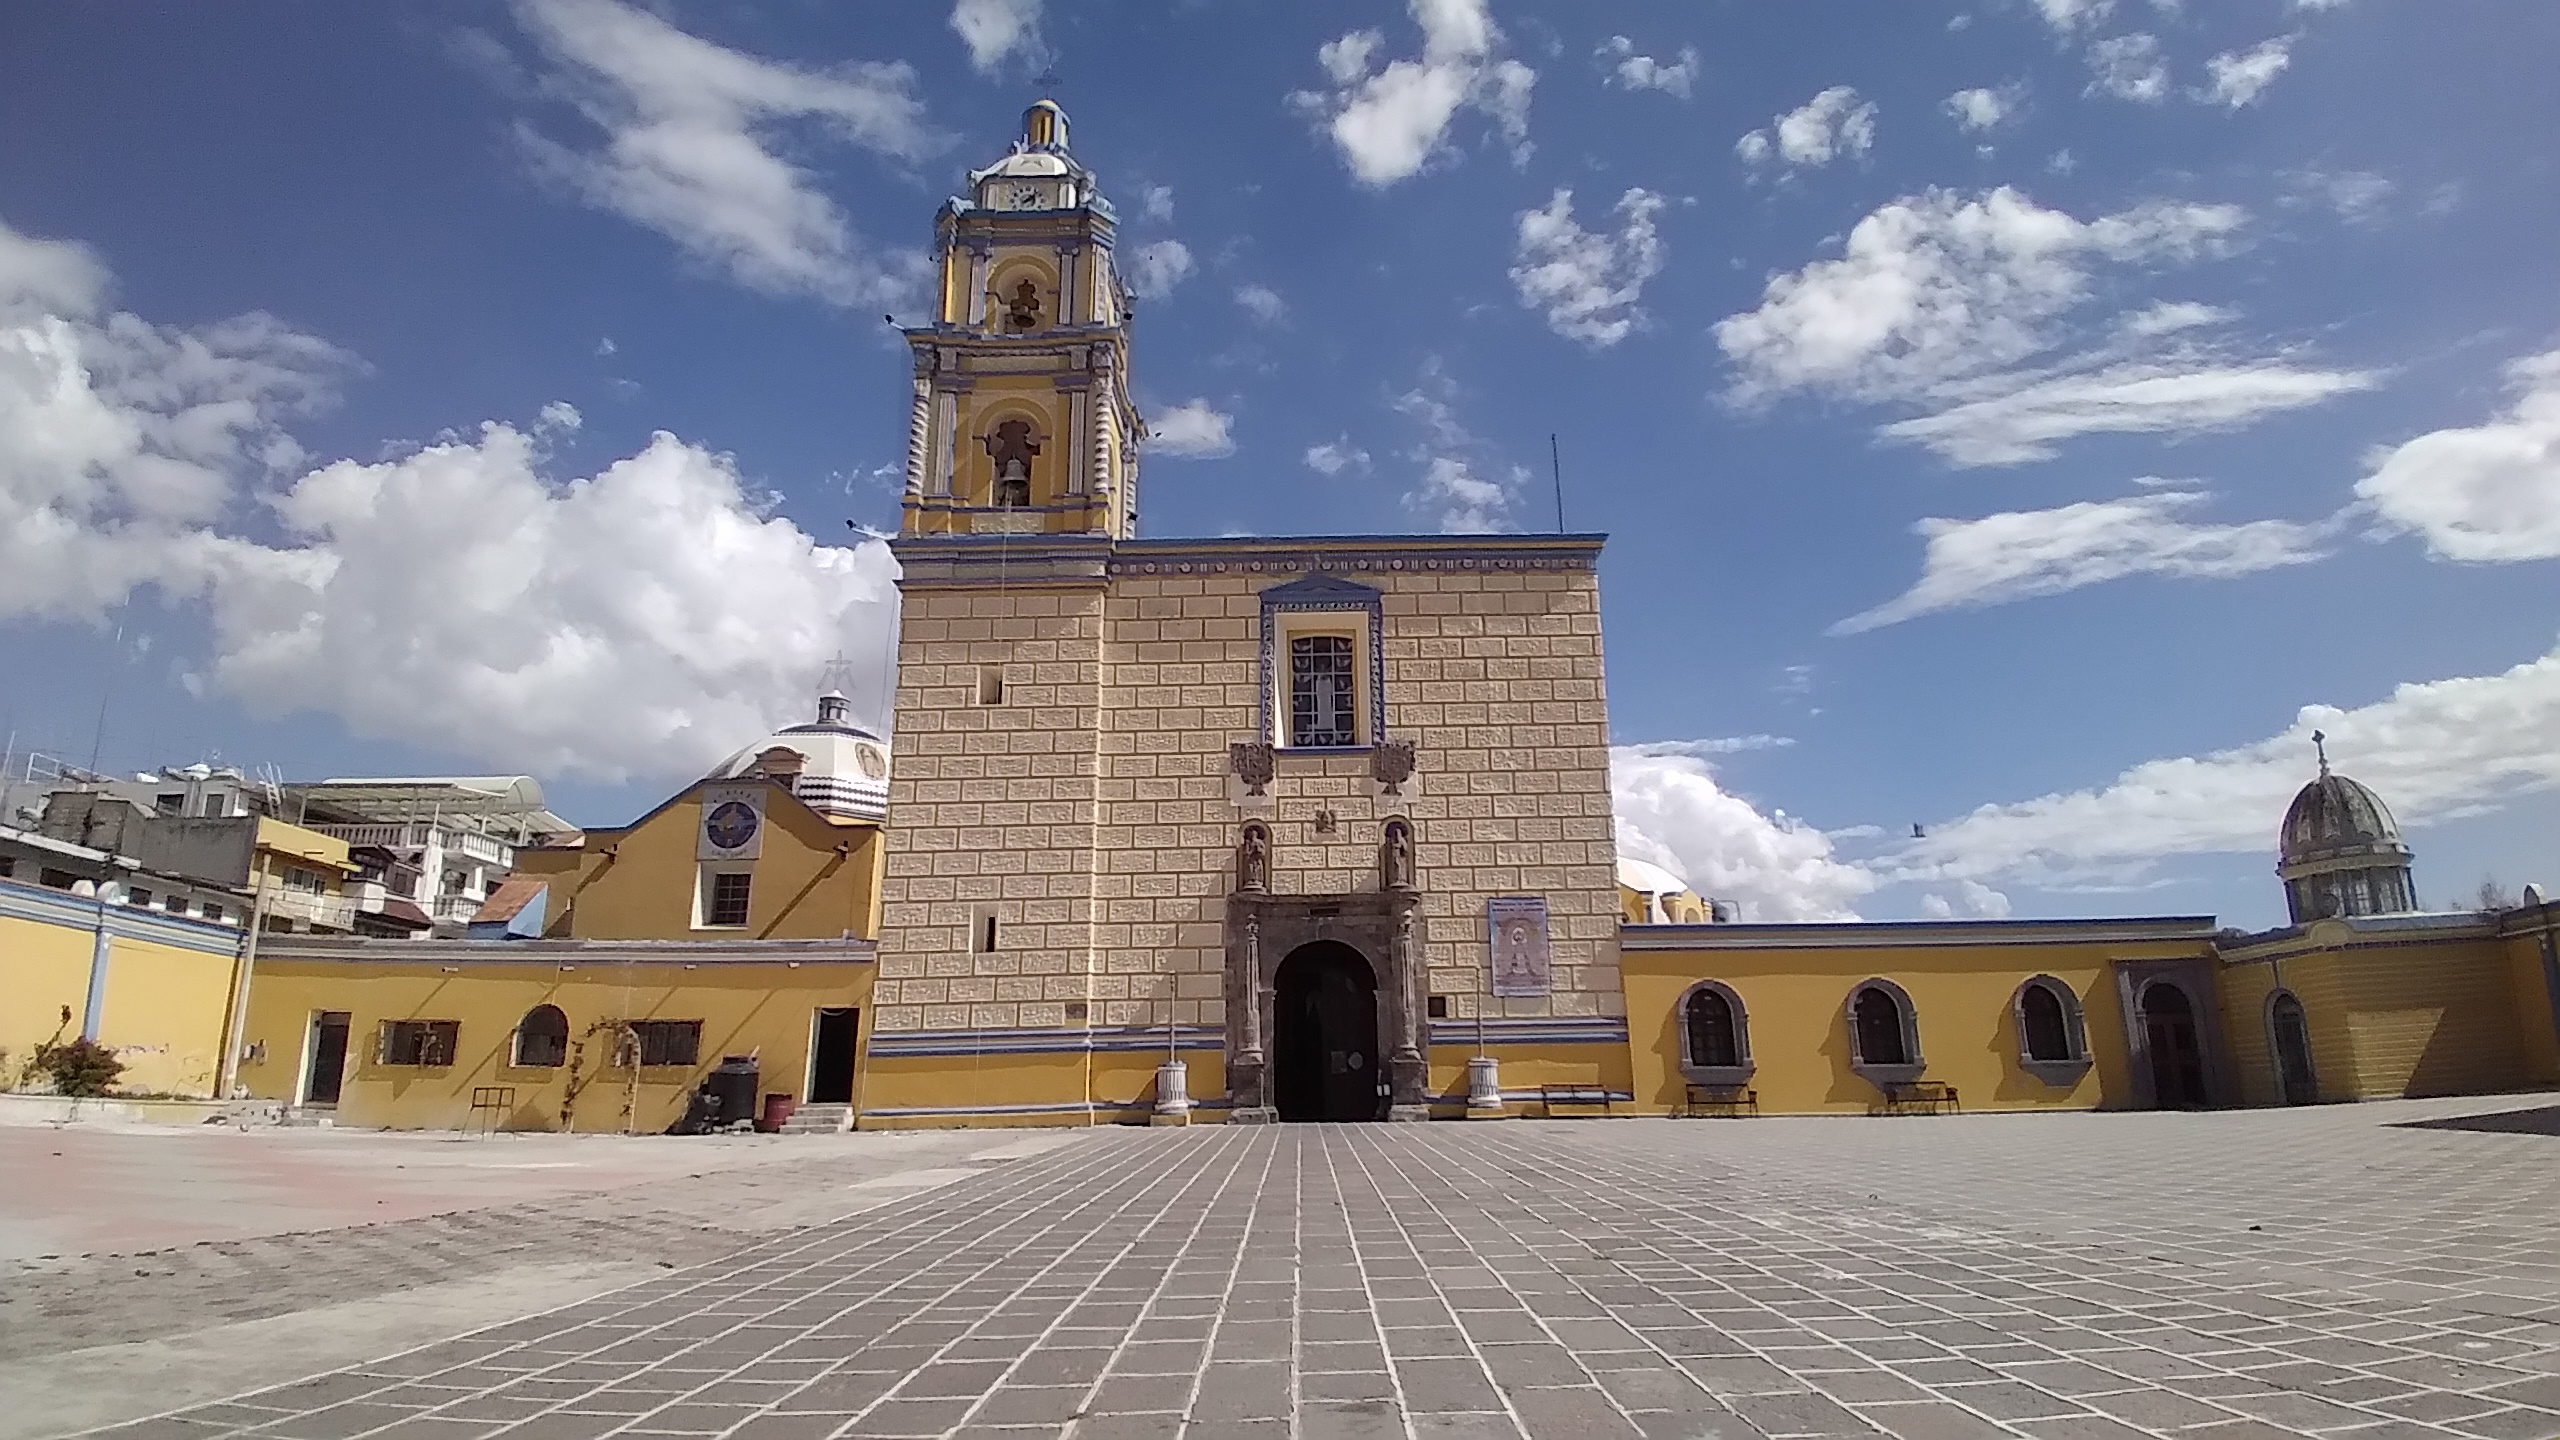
[
  {"x": 2434, "y": 750},
  {"x": 1333, "y": 457},
  {"x": 1588, "y": 284},
  {"x": 2238, "y": 77},
  {"x": 1977, "y": 901},
  {"x": 1389, "y": 122},
  {"x": 1632, "y": 71},
  {"x": 641, "y": 620},
  {"x": 693, "y": 147},
  {"x": 1978, "y": 110},
  {"x": 1155, "y": 269},
  {"x": 998, "y": 30},
  {"x": 1192, "y": 430},
  {"x": 2482, "y": 493},
  {"x": 1262, "y": 303},
  {"x": 1835, "y": 124},
  {"x": 2129, "y": 67},
  {"x": 1464, "y": 488},
  {"x": 1156, "y": 202},
  {"x": 2016, "y": 555},
  {"x": 1672, "y": 812},
  {"x": 1938, "y": 301}
]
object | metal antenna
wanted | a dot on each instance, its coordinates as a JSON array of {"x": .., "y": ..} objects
[{"x": 1555, "y": 464}]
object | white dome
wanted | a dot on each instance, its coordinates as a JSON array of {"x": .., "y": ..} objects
[
  {"x": 1646, "y": 878},
  {"x": 836, "y": 767},
  {"x": 1026, "y": 165}
]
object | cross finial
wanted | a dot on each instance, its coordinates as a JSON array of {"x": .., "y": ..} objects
[
  {"x": 838, "y": 675},
  {"x": 2320, "y": 744}
]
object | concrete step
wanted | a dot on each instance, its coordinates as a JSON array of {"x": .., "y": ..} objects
[{"x": 819, "y": 1120}]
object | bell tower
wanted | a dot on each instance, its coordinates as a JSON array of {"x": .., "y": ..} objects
[{"x": 1022, "y": 423}]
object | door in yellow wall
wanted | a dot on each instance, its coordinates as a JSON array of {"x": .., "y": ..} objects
[
  {"x": 328, "y": 1058},
  {"x": 2177, "y": 1055},
  {"x": 831, "y": 1055}
]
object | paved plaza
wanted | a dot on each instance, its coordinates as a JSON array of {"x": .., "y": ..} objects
[{"x": 2357, "y": 1270}]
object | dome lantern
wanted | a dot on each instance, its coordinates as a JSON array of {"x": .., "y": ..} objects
[
  {"x": 2339, "y": 852},
  {"x": 836, "y": 767}
]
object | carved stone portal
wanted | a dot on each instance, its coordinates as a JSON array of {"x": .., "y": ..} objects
[{"x": 1384, "y": 928}]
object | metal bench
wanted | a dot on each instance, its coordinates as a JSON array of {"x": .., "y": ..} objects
[
  {"x": 1920, "y": 1097},
  {"x": 1724, "y": 1101},
  {"x": 1551, "y": 1096},
  {"x": 491, "y": 1105}
]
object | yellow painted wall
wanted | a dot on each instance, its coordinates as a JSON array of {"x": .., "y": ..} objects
[
  {"x": 764, "y": 1008},
  {"x": 639, "y": 883},
  {"x": 163, "y": 1011},
  {"x": 2444, "y": 1015},
  {"x": 1796, "y": 999},
  {"x": 2537, "y": 1009}
]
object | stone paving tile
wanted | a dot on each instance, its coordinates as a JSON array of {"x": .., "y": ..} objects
[{"x": 2223, "y": 1276}]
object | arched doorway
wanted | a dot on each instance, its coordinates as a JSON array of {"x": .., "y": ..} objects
[
  {"x": 2177, "y": 1052},
  {"x": 2293, "y": 1049},
  {"x": 1324, "y": 1052}
]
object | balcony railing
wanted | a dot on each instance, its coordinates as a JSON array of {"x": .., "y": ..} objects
[
  {"x": 415, "y": 835},
  {"x": 320, "y": 912}
]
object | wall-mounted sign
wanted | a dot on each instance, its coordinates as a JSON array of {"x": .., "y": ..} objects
[
  {"x": 732, "y": 822},
  {"x": 1516, "y": 928}
]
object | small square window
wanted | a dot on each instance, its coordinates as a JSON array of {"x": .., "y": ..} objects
[
  {"x": 724, "y": 897},
  {"x": 983, "y": 932},
  {"x": 138, "y": 897},
  {"x": 1437, "y": 1007},
  {"x": 669, "y": 1042},
  {"x": 419, "y": 1042},
  {"x": 990, "y": 684},
  {"x": 212, "y": 911}
]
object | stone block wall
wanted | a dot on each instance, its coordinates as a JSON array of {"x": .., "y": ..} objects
[{"x": 991, "y": 809}]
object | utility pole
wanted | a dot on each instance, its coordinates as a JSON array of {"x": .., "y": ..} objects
[{"x": 236, "y": 1024}]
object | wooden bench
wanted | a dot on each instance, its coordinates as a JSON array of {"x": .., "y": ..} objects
[
  {"x": 1551, "y": 1096},
  {"x": 1726, "y": 1101},
  {"x": 1920, "y": 1097}
]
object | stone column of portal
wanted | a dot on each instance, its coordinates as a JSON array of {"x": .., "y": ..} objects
[
  {"x": 1248, "y": 1083},
  {"x": 1408, "y": 1073}
]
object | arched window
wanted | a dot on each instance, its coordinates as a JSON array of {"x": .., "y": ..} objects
[
  {"x": 2053, "y": 1043},
  {"x": 542, "y": 1037},
  {"x": 1715, "y": 1035},
  {"x": 1884, "y": 1033},
  {"x": 2289, "y": 1038}
]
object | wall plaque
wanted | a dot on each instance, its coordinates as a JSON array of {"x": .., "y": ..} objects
[{"x": 1516, "y": 929}]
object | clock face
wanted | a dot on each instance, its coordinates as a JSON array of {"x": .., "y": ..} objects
[{"x": 1023, "y": 197}]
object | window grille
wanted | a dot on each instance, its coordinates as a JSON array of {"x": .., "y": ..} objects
[
  {"x": 419, "y": 1042},
  {"x": 1322, "y": 688},
  {"x": 668, "y": 1042},
  {"x": 727, "y": 902}
]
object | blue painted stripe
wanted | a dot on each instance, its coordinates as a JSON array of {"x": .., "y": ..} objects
[
  {"x": 47, "y": 906},
  {"x": 1064, "y": 1107}
]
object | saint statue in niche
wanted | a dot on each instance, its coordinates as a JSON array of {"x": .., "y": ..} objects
[
  {"x": 1022, "y": 312},
  {"x": 1012, "y": 447},
  {"x": 1396, "y": 858},
  {"x": 1253, "y": 859}
]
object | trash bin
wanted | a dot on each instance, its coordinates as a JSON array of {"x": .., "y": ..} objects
[
  {"x": 734, "y": 1081},
  {"x": 777, "y": 1112}
]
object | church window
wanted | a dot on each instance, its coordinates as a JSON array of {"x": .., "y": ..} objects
[
  {"x": 542, "y": 1037},
  {"x": 724, "y": 898},
  {"x": 1884, "y": 1034},
  {"x": 1715, "y": 1035},
  {"x": 1880, "y": 1029},
  {"x": 2048, "y": 1037},
  {"x": 2053, "y": 1042},
  {"x": 1322, "y": 688}
]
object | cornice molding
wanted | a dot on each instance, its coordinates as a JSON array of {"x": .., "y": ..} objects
[{"x": 1915, "y": 934}]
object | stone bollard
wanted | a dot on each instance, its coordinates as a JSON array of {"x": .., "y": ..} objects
[
  {"x": 1173, "y": 1094},
  {"x": 1484, "y": 1088}
]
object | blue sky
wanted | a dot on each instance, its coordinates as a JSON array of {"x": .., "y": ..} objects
[{"x": 2024, "y": 419}]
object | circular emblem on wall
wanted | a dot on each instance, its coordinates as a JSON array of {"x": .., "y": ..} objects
[
  {"x": 730, "y": 825},
  {"x": 875, "y": 766}
]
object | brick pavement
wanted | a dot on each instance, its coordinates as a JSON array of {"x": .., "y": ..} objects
[{"x": 2324, "y": 1272}]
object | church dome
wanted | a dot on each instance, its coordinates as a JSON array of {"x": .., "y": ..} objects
[
  {"x": 2334, "y": 815},
  {"x": 836, "y": 767}
]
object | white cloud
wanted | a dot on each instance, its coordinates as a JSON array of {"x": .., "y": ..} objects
[
  {"x": 1711, "y": 745},
  {"x": 1938, "y": 300},
  {"x": 2357, "y": 196},
  {"x": 639, "y": 621},
  {"x": 2019, "y": 554},
  {"x": 692, "y": 149},
  {"x": 2026, "y": 416},
  {"x": 1980, "y": 902},
  {"x": 2072, "y": 16},
  {"x": 1588, "y": 284},
  {"x": 1642, "y": 72},
  {"x": 2433, "y": 750},
  {"x": 1835, "y": 124},
  {"x": 1193, "y": 430},
  {"x": 1336, "y": 456},
  {"x": 1939, "y": 285},
  {"x": 1978, "y": 110},
  {"x": 2238, "y": 77},
  {"x": 1464, "y": 488},
  {"x": 2482, "y": 493},
  {"x": 1671, "y": 812},
  {"x": 1156, "y": 202},
  {"x": 1155, "y": 269},
  {"x": 997, "y": 30},
  {"x": 2129, "y": 68},
  {"x": 1388, "y": 124},
  {"x": 1262, "y": 303}
]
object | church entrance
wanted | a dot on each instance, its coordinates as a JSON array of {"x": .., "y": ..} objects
[
  {"x": 1325, "y": 1063},
  {"x": 2177, "y": 1054},
  {"x": 2293, "y": 1049}
]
